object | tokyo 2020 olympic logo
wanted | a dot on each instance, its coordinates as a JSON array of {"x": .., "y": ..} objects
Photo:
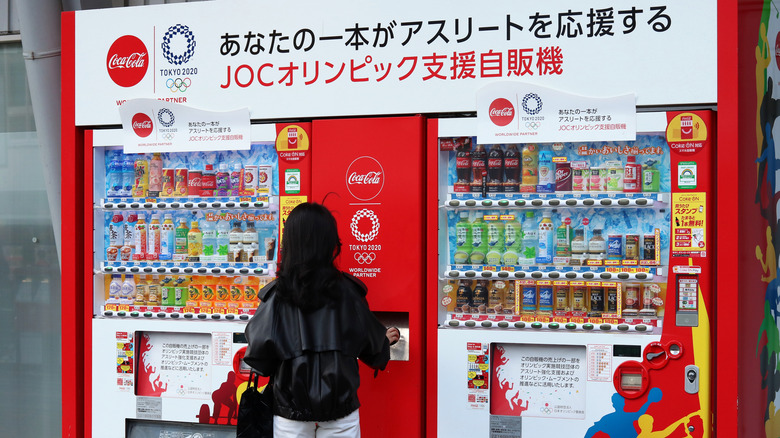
[
  {"x": 165, "y": 117},
  {"x": 532, "y": 104},
  {"x": 168, "y": 38},
  {"x": 354, "y": 225}
]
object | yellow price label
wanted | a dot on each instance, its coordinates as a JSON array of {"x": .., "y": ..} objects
[
  {"x": 472, "y": 357},
  {"x": 472, "y": 374},
  {"x": 484, "y": 366},
  {"x": 478, "y": 383}
]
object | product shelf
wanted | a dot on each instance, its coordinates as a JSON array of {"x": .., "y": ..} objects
[
  {"x": 226, "y": 203},
  {"x": 186, "y": 268},
  {"x": 606, "y": 273},
  {"x": 552, "y": 323},
  {"x": 174, "y": 313},
  {"x": 555, "y": 200}
]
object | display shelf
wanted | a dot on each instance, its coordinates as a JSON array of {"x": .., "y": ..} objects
[
  {"x": 183, "y": 313},
  {"x": 555, "y": 200},
  {"x": 551, "y": 323},
  {"x": 554, "y": 272},
  {"x": 185, "y": 203},
  {"x": 187, "y": 268}
]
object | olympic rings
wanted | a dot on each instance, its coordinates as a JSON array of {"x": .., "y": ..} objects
[
  {"x": 365, "y": 257},
  {"x": 361, "y": 237},
  {"x": 533, "y": 125},
  {"x": 178, "y": 84}
]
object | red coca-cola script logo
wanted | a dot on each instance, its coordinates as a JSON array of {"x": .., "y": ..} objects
[
  {"x": 127, "y": 61},
  {"x": 142, "y": 125},
  {"x": 502, "y": 112},
  {"x": 365, "y": 178}
]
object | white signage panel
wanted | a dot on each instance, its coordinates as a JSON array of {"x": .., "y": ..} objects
[
  {"x": 514, "y": 112},
  {"x": 151, "y": 125},
  {"x": 356, "y": 58}
]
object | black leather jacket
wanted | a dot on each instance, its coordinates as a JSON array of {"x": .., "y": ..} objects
[{"x": 312, "y": 355}]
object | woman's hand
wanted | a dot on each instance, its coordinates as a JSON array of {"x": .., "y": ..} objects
[{"x": 393, "y": 335}]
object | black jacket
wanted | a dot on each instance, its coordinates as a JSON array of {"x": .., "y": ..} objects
[{"x": 312, "y": 355}]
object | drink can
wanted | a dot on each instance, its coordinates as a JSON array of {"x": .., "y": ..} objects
[
  {"x": 546, "y": 299},
  {"x": 180, "y": 179},
  {"x": 615, "y": 247},
  {"x": 237, "y": 292},
  {"x": 194, "y": 179},
  {"x": 597, "y": 181},
  {"x": 612, "y": 300},
  {"x": 249, "y": 183},
  {"x": 168, "y": 182},
  {"x": 648, "y": 250},
  {"x": 596, "y": 298},
  {"x": 632, "y": 299},
  {"x": 264, "y": 180},
  {"x": 563, "y": 177},
  {"x": 632, "y": 247}
]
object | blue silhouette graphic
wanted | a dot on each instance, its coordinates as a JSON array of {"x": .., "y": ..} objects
[{"x": 620, "y": 424}]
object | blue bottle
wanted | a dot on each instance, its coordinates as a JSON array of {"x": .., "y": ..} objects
[
  {"x": 128, "y": 175},
  {"x": 114, "y": 175}
]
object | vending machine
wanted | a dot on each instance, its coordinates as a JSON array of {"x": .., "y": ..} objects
[{"x": 574, "y": 278}]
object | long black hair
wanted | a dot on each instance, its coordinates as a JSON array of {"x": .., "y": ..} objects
[{"x": 307, "y": 275}]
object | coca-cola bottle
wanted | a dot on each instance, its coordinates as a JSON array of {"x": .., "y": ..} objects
[
  {"x": 495, "y": 165},
  {"x": 463, "y": 162},
  {"x": 511, "y": 169},
  {"x": 478, "y": 167}
]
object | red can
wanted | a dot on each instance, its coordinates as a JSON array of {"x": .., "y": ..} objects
[
  {"x": 563, "y": 177},
  {"x": 168, "y": 182},
  {"x": 194, "y": 178}
]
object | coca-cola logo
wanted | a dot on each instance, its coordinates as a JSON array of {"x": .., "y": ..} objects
[
  {"x": 365, "y": 178},
  {"x": 562, "y": 174},
  {"x": 142, "y": 125},
  {"x": 501, "y": 112},
  {"x": 127, "y": 61}
]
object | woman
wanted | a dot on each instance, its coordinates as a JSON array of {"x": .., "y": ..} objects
[{"x": 312, "y": 325}]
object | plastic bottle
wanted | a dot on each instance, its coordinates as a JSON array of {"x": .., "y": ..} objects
[
  {"x": 153, "y": 246},
  {"x": 632, "y": 175},
  {"x": 141, "y": 181},
  {"x": 208, "y": 182},
  {"x": 236, "y": 237},
  {"x": 597, "y": 246},
  {"x": 141, "y": 291},
  {"x": 128, "y": 290},
  {"x": 236, "y": 178},
  {"x": 223, "y": 240},
  {"x": 513, "y": 236},
  {"x": 511, "y": 169},
  {"x": 194, "y": 243},
  {"x": 546, "y": 172},
  {"x": 250, "y": 243},
  {"x": 544, "y": 248},
  {"x": 153, "y": 297},
  {"x": 478, "y": 167},
  {"x": 114, "y": 176},
  {"x": 563, "y": 238},
  {"x": 128, "y": 175},
  {"x": 579, "y": 248},
  {"x": 180, "y": 241},
  {"x": 167, "y": 238},
  {"x": 128, "y": 230},
  {"x": 495, "y": 168},
  {"x": 651, "y": 177},
  {"x": 530, "y": 167},
  {"x": 529, "y": 239},
  {"x": 140, "y": 238},
  {"x": 495, "y": 231},
  {"x": 115, "y": 289},
  {"x": 209, "y": 241},
  {"x": 223, "y": 180},
  {"x": 155, "y": 175},
  {"x": 462, "y": 239},
  {"x": 479, "y": 240},
  {"x": 116, "y": 232}
]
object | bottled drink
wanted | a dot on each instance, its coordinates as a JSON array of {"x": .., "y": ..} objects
[
  {"x": 128, "y": 290},
  {"x": 236, "y": 178},
  {"x": 167, "y": 238},
  {"x": 223, "y": 180},
  {"x": 546, "y": 172},
  {"x": 529, "y": 298},
  {"x": 155, "y": 175},
  {"x": 564, "y": 235},
  {"x": 530, "y": 237},
  {"x": 651, "y": 177},
  {"x": 496, "y": 297},
  {"x": 153, "y": 246},
  {"x": 114, "y": 176},
  {"x": 250, "y": 243},
  {"x": 597, "y": 300},
  {"x": 167, "y": 291},
  {"x": 579, "y": 249},
  {"x": 153, "y": 297},
  {"x": 141, "y": 291},
  {"x": 209, "y": 241},
  {"x": 128, "y": 176},
  {"x": 463, "y": 163},
  {"x": 141, "y": 181},
  {"x": 513, "y": 235},
  {"x": 180, "y": 241},
  {"x": 181, "y": 291},
  {"x": 495, "y": 232},
  {"x": 478, "y": 167},
  {"x": 530, "y": 166},
  {"x": 546, "y": 300},
  {"x": 140, "y": 237},
  {"x": 632, "y": 175},
  {"x": 462, "y": 239},
  {"x": 512, "y": 169},
  {"x": 495, "y": 168},
  {"x": 223, "y": 240},
  {"x": 115, "y": 289},
  {"x": 194, "y": 242},
  {"x": 236, "y": 237},
  {"x": 208, "y": 182},
  {"x": 561, "y": 298},
  {"x": 479, "y": 240},
  {"x": 463, "y": 297},
  {"x": 544, "y": 248},
  {"x": 632, "y": 299},
  {"x": 128, "y": 231},
  {"x": 116, "y": 234},
  {"x": 597, "y": 246},
  {"x": 510, "y": 298},
  {"x": 480, "y": 297}
]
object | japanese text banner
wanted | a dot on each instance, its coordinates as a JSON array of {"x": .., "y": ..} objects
[
  {"x": 151, "y": 125},
  {"x": 516, "y": 112}
]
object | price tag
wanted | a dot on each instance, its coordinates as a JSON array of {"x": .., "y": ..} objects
[
  {"x": 111, "y": 307},
  {"x": 123, "y": 307}
]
